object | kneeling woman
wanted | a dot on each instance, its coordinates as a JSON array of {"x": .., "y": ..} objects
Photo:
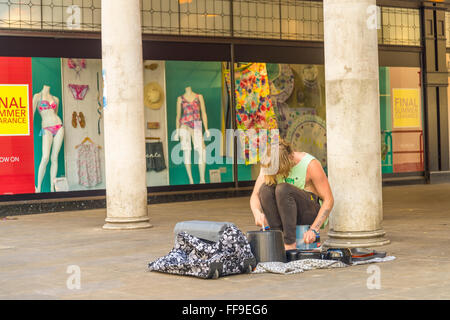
[{"x": 298, "y": 194}]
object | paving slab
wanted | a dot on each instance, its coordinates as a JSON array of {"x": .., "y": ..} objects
[{"x": 37, "y": 251}]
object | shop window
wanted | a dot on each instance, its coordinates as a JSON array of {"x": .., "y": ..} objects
[
  {"x": 20, "y": 14},
  {"x": 55, "y": 141},
  {"x": 302, "y": 20},
  {"x": 205, "y": 17},
  {"x": 289, "y": 98},
  {"x": 160, "y": 16},
  {"x": 284, "y": 19},
  {"x": 401, "y": 112},
  {"x": 197, "y": 105},
  {"x": 62, "y": 149},
  {"x": 51, "y": 14},
  {"x": 400, "y": 26},
  {"x": 188, "y": 17},
  {"x": 71, "y": 15},
  {"x": 256, "y": 19}
]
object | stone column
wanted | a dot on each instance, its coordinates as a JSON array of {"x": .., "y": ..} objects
[
  {"x": 353, "y": 123},
  {"x": 126, "y": 189}
]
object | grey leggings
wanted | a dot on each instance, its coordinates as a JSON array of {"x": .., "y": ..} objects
[{"x": 286, "y": 206}]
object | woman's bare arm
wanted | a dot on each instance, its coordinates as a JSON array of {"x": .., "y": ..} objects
[
  {"x": 255, "y": 204},
  {"x": 320, "y": 182}
]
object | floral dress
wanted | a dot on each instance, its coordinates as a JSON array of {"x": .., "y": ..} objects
[
  {"x": 89, "y": 172},
  {"x": 254, "y": 108}
]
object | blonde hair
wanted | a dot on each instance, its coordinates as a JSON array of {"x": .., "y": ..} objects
[{"x": 286, "y": 162}]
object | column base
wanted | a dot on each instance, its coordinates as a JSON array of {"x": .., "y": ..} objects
[
  {"x": 357, "y": 239},
  {"x": 127, "y": 223}
]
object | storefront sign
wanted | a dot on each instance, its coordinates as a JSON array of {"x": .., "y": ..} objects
[
  {"x": 16, "y": 129},
  {"x": 406, "y": 108},
  {"x": 14, "y": 117}
]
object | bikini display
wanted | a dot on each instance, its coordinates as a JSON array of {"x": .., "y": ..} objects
[
  {"x": 79, "y": 91},
  {"x": 53, "y": 129},
  {"x": 77, "y": 64},
  {"x": 84, "y": 104},
  {"x": 45, "y": 105},
  {"x": 51, "y": 133}
]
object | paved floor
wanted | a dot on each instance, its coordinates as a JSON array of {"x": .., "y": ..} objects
[{"x": 37, "y": 250}]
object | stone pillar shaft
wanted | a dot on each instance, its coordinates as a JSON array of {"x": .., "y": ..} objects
[
  {"x": 126, "y": 189},
  {"x": 353, "y": 124}
]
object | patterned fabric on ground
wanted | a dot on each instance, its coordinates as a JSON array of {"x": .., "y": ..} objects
[
  {"x": 297, "y": 266},
  {"x": 374, "y": 260},
  {"x": 300, "y": 266},
  {"x": 195, "y": 257}
]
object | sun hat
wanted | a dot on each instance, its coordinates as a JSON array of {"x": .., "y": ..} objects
[{"x": 153, "y": 95}]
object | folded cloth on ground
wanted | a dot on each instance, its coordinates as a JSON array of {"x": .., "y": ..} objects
[
  {"x": 374, "y": 260},
  {"x": 299, "y": 266},
  {"x": 204, "y": 259}
]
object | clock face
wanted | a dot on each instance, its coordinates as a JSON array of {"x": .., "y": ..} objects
[{"x": 308, "y": 134}]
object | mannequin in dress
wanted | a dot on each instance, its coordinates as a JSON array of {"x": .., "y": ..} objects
[
  {"x": 52, "y": 134},
  {"x": 191, "y": 114}
]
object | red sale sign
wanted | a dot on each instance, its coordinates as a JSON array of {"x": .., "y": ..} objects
[{"x": 16, "y": 136}]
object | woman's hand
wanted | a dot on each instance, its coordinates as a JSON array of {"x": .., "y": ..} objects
[
  {"x": 260, "y": 219},
  {"x": 309, "y": 237}
]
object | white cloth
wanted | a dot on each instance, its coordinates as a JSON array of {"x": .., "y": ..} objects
[{"x": 299, "y": 266}]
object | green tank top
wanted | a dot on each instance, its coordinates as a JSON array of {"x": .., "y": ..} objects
[{"x": 297, "y": 176}]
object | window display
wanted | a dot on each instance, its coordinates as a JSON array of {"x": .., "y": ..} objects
[
  {"x": 88, "y": 162},
  {"x": 401, "y": 112},
  {"x": 49, "y": 131},
  {"x": 52, "y": 134},
  {"x": 156, "y": 142},
  {"x": 191, "y": 118},
  {"x": 195, "y": 122},
  {"x": 254, "y": 108},
  {"x": 293, "y": 101},
  {"x": 51, "y": 121},
  {"x": 84, "y": 141}
]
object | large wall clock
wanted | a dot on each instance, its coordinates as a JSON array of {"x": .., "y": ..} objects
[{"x": 308, "y": 133}]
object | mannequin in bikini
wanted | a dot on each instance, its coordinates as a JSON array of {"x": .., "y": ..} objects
[
  {"x": 52, "y": 134},
  {"x": 191, "y": 114}
]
